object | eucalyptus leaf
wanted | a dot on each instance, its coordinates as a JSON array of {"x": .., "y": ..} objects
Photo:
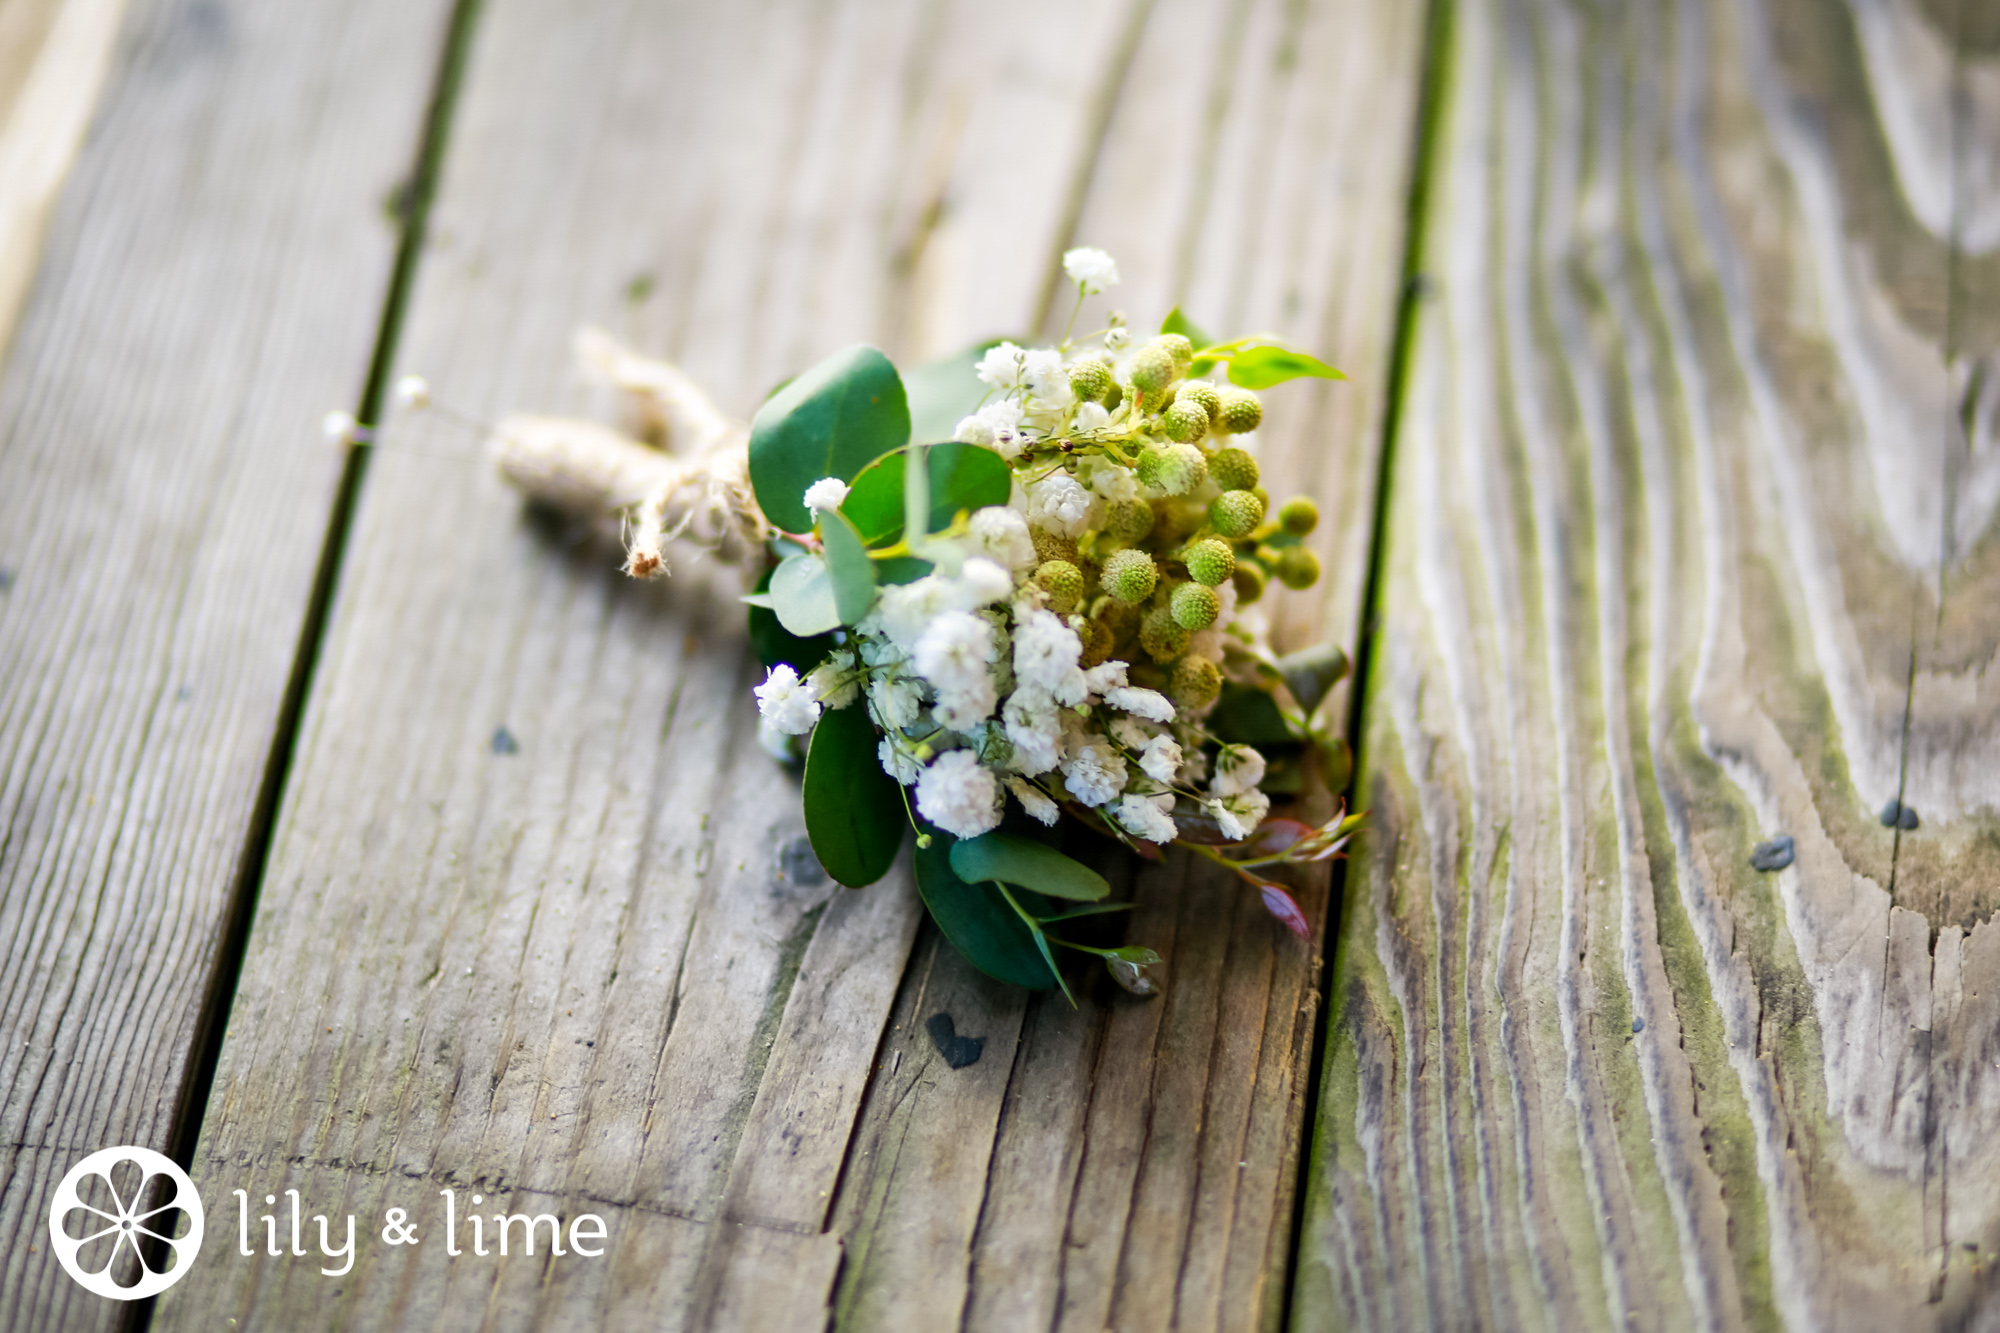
[
  {"x": 854, "y": 814},
  {"x": 962, "y": 476},
  {"x": 1246, "y": 716},
  {"x": 1032, "y": 865},
  {"x": 848, "y": 565},
  {"x": 1261, "y": 365},
  {"x": 802, "y": 596},
  {"x": 1310, "y": 672},
  {"x": 1041, "y": 939},
  {"x": 946, "y": 391},
  {"x": 832, "y": 421},
  {"x": 978, "y": 920},
  {"x": 774, "y": 643}
]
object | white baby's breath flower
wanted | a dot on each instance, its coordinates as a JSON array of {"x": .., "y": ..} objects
[
  {"x": 989, "y": 423},
  {"x": 1130, "y": 732},
  {"x": 1035, "y": 729},
  {"x": 1238, "y": 816},
  {"x": 1001, "y": 366},
  {"x": 897, "y": 762},
  {"x": 959, "y": 796},
  {"x": 784, "y": 699},
  {"x": 1117, "y": 339},
  {"x": 1001, "y": 534},
  {"x": 1045, "y": 650},
  {"x": 1057, "y": 503},
  {"x": 1105, "y": 676},
  {"x": 1095, "y": 772},
  {"x": 981, "y": 582},
  {"x": 834, "y": 682},
  {"x": 1112, "y": 481},
  {"x": 966, "y": 706},
  {"x": 1149, "y": 704},
  {"x": 1092, "y": 417},
  {"x": 1161, "y": 759},
  {"x": 1148, "y": 817},
  {"x": 828, "y": 493},
  {"x": 1035, "y": 801},
  {"x": 897, "y": 700},
  {"x": 906, "y": 610},
  {"x": 954, "y": 651},
  {"x": 1238, "y": 769},
  {"x": 1091, "y": 269}
]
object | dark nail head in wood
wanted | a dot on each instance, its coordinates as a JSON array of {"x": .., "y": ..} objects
[
  {"x": 798, "y": 865},
  {"x": 504, "y": 742},
  {"x": 1773, "y": 855},
  {"x": 958, "y": 1052},
  {"x": 1897, "y": 815}
]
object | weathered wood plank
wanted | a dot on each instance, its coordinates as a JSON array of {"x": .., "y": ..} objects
[
  {"x": 1688, "y": 551},
  {"x": 1135, "y": 1166},
  {"x": 211, "y": 284},
  {"x": 582, "y": 967}
]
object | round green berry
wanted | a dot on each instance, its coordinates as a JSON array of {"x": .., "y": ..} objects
[
  {"x": 1091, "y": 377},
  {"x": 1130, "y": 575},
  {"x": 1202, "y": 392},
  {"x": 1049, "y": 546},
  {"x": 1209, "y": 561},
  {"x": 1236, "y": 513},
  {"x": 1153, "y": 368},
  {"x": 1299, "y": 516},
  {"x": 1233, "y": 469},
  {"x": 1098, "y": 639},
  {"x": 1161, "y": 635},
  {"x": 1196, "y": 683},
  {"x": 1179, "y": 348},
  {"x": 1063, "y": 584},
  {"x": 1186, "y": 421},
  {"x": 1241, "y": 412},
  {"x": 1297, "y": 567},
  {"x": 1128, "y": 521},
  {"x": 1176, "y": 469},
  {"x": 1249, "y": 580},
  {"x": 1194, "y": 606}
]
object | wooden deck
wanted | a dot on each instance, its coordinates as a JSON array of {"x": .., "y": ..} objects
[{"x": 363, "y": 836}]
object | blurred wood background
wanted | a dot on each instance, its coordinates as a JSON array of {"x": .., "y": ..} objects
[{"x": 364, "y": 835}]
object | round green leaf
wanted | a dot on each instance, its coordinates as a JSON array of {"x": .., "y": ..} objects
[
  {"x": 963, "y": 476},
  {"x": 946, "y": 391},
  {"x": 774, "y": 643},
  {"x": 1030, "y": 864},
  {"x": 978, "y": 921},
  {"x": 1264, "y": 364},
  {"x": 832, "y": 421},
  {"x": 848, "y": 566},
  {"x": 802, "y": 596},
  {"x": 854, "y": 815}
]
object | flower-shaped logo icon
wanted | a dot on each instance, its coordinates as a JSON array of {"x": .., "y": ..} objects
[{"x": 112, "y": 1223}]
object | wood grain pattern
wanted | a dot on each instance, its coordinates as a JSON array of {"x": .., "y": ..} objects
[
  {"x": 1690, "y": 548},
  {"x": 580, "y": 966},
  {"x": 211, "y": 285}
]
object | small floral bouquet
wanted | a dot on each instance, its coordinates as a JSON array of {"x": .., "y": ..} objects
[{"x": 1050, "y": 610}]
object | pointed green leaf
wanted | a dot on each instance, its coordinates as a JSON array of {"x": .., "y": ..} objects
[
  {"x": 978, "y": 920},
  {"x": 1030, "y": 864},
  {"x": 802, "y": 596},
  {"x": 832, "y": 421},
  {"x": 1177, "y": 322},
  {"x": 946, "y": 391},
  {"x": 962, "y": 476},
  {"x": 854, "y": 814},
  {"x": 1311, "y": 672},
  {"x": 847, "y": 563},
  {"x": 1041, "y": 939},
  {"x": 1264, "y": 364}
]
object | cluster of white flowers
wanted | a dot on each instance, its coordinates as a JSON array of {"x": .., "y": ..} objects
[{"x": 1015, "y": 668}]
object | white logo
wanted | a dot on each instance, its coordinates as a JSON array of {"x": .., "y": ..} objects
[{"x": 113, "y": 1221}]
